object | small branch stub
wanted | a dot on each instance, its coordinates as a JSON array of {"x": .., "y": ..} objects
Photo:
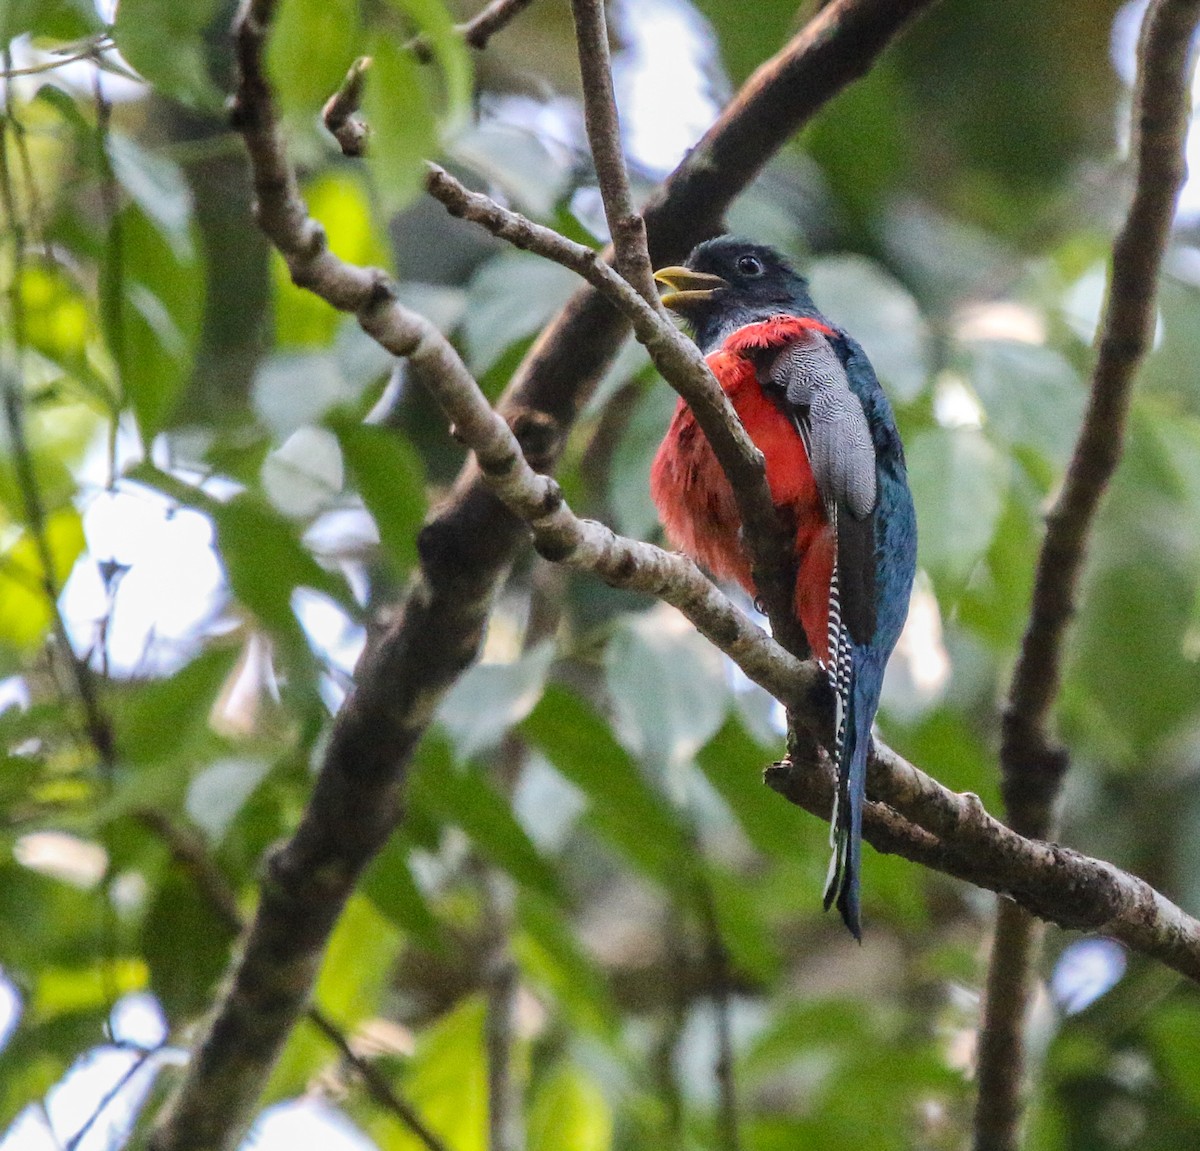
[{"x": 340, "y": 113}]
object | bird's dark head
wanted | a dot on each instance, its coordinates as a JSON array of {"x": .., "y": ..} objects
[{"x": 729, "y": 282}]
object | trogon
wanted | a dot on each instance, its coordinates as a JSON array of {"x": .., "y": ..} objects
[{"x": 809, "y": 399}]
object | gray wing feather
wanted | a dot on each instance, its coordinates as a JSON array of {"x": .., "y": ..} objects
[
  {"x": 841, "y": 453},
  {"x": 837, "y": 437}
]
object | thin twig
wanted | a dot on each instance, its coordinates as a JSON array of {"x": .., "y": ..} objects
[
  {"x": 718, "y": 961},
  {"x": 1032, "y": 765},
  {"x": 501, "y": 982},
  {"x": 92, "y": 52},
  {"x": 144, "y": 1055},
  {"x": 478, "y": 30},
  {"x": 380, "y": 1089},
  {"x": 340, "y": 114},
  {"x": 625, "y": 225},
  {"x": 190, "y": 852},
  {"x": 666, "y": 1049}
]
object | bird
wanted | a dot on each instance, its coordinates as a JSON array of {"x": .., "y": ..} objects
[{"x": 809, "y": 398}]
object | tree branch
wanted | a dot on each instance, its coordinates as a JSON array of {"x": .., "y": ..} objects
[
  {"x": 682, "y": 366},
  {"x": 478, "y": 30},
  {"x": 1162, "y": 105},
  {"x": 627, "y": 228},
  {"x": 912, "y": 815},
  {"x": 1032, "y": 765},
  {"x": 12, "y": 387}
]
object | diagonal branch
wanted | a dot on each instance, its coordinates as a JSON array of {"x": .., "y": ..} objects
[
  {"x": 912, "y": 815},
  {"x": 1032, "y": 765},
  {"x": 681, "y": 364},
  {"x": 1162, "y": 106},
  {"x": 477, "y": 31}
]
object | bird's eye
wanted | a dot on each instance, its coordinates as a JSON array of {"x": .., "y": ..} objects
[{"x": 750, "y": 266}]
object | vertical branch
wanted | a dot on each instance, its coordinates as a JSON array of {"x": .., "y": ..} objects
[
  {"x": 501, "y": 979},
  {"x": 99, "y": 732},
  {"x": 769, "y": 545},
  {"x": 718, "y": 961},
  {"x": 1032, "y": 764},
  {"x": 626, "y": 226},
  {"x": 665, "y": 1070}
]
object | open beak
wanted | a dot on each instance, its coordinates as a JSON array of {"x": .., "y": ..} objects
[{"x": 687, "y": 287}]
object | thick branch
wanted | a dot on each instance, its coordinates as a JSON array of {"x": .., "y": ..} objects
[
  {"x": 1032, "y": 766},
  {"x": 191, "y": 854},
  {"x": 912, "y": 815}
]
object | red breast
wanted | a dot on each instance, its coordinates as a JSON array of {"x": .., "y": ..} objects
[{"x": 696, "y": 503}]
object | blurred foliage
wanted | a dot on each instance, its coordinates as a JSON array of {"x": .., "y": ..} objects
[{"x": 591, "y": 789}]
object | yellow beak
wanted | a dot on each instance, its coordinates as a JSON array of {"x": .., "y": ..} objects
[{"x": 687, "y": 287}]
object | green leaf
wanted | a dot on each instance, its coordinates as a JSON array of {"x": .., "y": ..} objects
[
  {"x": 304, "y": 475},
  {"x": 468, "y": 799},
  {"x": 153, "y": 304},
  {"x": 158, "y": 718},
  {"x": 283, "y": 406},
  {"x": 165, "y": 42},
  {"x": 447, "y": 1083},
  {"x": 403, "y": 130},
  {"x": 390, "y": 885},
  {"x": 740, "y": 922},
  {"x": 624, "y": 807},
  {"x": 157, "y": 185},
  {"x": 569, "y": 1113},
  {"x": 629, "y": 475},
  {"x": 510, "y": 298},
  {"x": 550, "y": 956},
  {"x": 489, "y": 699},
  {"x": 58, "y": 319},
  {"x": 435, "y": 22},
  {"x": 25, "y": 609},
  {"x": 1032, "y": 396},
  {"x": 185, "y": 945},
  {"x": 217, "y": 794},
  {"x": 391, "y": 480},
  {"x": 880, "y": 314},
  {"x": 1176, "y": 1031},
  {"x": 48, "y": 19},
  {"x": 311, "y": 47},
  {"x": 959, "y": 483},
  {"x": 733, "y": 764},
  {"x": 518, "y": 161},
  {"x": 668, "y": 685},
  {"x": 266, "y": 561}
]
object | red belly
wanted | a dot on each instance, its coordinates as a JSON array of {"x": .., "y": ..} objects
[{"x": 698, "y": 511}]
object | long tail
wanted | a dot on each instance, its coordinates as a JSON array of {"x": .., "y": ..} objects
[{"x": 858, "y": 694}]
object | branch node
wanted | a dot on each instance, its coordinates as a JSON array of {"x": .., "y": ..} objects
[
  {"x": 340, "y": 111},
  {"x": 539, "y": 434}
]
